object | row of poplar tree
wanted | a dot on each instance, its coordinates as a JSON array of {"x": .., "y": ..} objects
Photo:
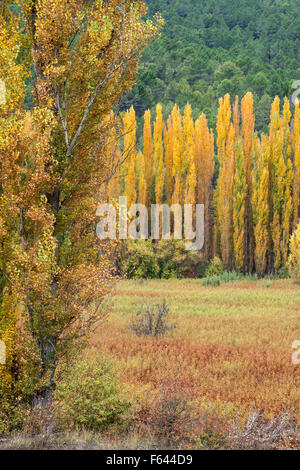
[{"x": 249, "y": 184}]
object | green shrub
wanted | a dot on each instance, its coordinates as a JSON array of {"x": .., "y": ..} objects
[
  {"x": 230, "y": 277},
  {"x": 211, "y": 281},
  {"x": 137, "y": 260},
  {"x": 227, "y": 277},
  {"x": 165, "y": 259},
  {"x": 11, "y": 416},
  {"x": 215, "y": 267},
  {"x": 177, "y": 262},
  {"x": 89, "y": 397},
  {"x": 282, "y": 273}
]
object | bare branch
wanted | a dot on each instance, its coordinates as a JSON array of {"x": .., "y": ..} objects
[{"x": 63, "y": 120}]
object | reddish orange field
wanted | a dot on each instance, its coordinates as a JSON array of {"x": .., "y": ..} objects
[{"x": 232, "y": 346}]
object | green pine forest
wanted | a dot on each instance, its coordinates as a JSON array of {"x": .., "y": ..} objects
[{"x": 209, "y": 48}]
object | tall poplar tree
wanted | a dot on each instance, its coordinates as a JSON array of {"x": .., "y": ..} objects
[
  {"x": 148, "y": 156},
  {"x": 159, "y": 155},
  {"x": 248, "y": 121},
  {"x": 84, "y": 56}
]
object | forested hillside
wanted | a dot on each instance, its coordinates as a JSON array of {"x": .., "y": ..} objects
[{"x": 210, "y": 48}]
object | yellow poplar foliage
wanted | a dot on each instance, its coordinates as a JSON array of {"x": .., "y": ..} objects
[
  {"x": 296, "y": 183},
  {"x": 26, "y": 161},
  {"x": 251, "y": 209},
  {"x": 159, "y": 155},
  {"x": 261, "y": 201},
  {"x": 130, "y": 153},
  {"x": 148, "y": 155},
  {"x": 226, "y": 153},
  {"x": 256, "y": 198},
  {"x": 114, "y": 152},
  {"x": 223, "y": 126},
  {"x": 114, "y": 155},
  {"x": 168, "y": 140},
  {"x": 188, "y": 139},
  {"x": 189, "y": 163},
  {"x": 282, "y": 181},
  {"x": 228, "y": 188},
  {"x": 286, "y": 182},
  {"x": 191, "y": 184},
  {"x": 141, "y": 179},
  {"x": 239, "y": 198},
  {"x": 248, "y": 121},
  {"x": 204, "y": 164},
  {"x": 178, "y": 156}
]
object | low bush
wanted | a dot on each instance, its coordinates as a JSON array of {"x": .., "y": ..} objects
[
  {"x": 227, "y": 277},
  {"x": 211, "y": 281},
  {"x": 137, "y": 260},
  {"x": 215, "y": 268},
  {"x": 11, "y": 415},
  {"x": 170, "y": 418},
  {"x": 282, "y": 273},
  {"x": 89, "y": 397},
  {"x": 152, "y": 320},
  {"x": 165, "y": 259}
]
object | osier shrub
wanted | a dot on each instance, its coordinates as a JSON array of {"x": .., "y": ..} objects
[
  {"x": 215, "y": 267},
  {"x": 90, "y": 397},
  {"x": 152, "y": 320}
]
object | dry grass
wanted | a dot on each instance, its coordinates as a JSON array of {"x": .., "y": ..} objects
[
  {"x": 77, "y": 441},
  {"x": 232, "y": 343}
]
